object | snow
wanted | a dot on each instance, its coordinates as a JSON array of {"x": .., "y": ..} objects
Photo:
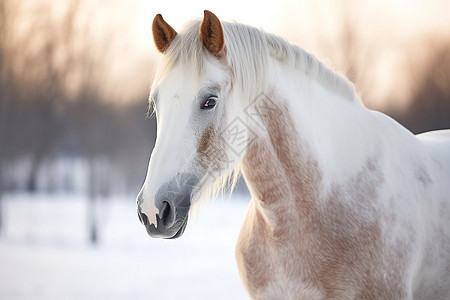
[{"x": 44, "y": 253}]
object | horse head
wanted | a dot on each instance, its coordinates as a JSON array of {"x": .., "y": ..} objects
[{"x": 191, "y": 87}]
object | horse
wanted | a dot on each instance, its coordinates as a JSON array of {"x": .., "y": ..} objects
[{"x": 345, "y": 202}]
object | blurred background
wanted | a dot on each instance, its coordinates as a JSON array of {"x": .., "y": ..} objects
[{"x": 75, "y": 140}]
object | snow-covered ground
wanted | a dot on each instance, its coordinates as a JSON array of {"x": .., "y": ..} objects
[{"x": 44, "y": 253}]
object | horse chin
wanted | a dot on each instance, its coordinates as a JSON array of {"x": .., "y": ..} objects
[{"x": 180, "y": 231}]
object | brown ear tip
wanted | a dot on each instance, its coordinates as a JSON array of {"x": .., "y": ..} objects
[
  {"x": 157, "y": 20},
  {"x": 158, "y": 17},
  {"x": 207, "y": 13}
]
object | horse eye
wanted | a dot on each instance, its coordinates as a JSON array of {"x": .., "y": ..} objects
[{"x": 209, "y": 103}]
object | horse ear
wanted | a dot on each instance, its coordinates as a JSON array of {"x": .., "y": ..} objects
[
  {"x": 163, "y": 33},
  {"x": 211, "y": 32}
]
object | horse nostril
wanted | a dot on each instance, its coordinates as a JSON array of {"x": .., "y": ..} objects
[
  {"x": 165, "y": 212},
  {"x": 142, "y": 217}
]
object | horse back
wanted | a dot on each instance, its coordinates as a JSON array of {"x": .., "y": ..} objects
[{"x": 437, "y": 144}]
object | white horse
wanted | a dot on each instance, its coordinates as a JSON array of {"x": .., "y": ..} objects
[{"x": 346, "y": 203}]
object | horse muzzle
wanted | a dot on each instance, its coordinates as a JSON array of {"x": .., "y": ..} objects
[
  {"x": 173, "y": 201},
  {"x": 170, "y": 221}
]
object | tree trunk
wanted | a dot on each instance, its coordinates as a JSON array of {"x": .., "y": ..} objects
[{"x": 92, "y": 207}]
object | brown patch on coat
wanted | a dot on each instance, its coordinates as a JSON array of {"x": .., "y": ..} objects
[
  {"x": 276, "y": 170},
  {"x": 327, "y": 246},
  {"x": 356, "y": 257},
  {"x": 255, "y": 254},
  {"x": 209, "y": 149},
  {"x": 163, "y": 33},
  {"x": 205, "y": 141}
]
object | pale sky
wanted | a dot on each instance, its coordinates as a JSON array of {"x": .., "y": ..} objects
[{"x": 407, "y": 16}]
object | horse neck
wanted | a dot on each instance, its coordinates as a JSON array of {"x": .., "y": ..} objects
[{"x": 310, "y": 139}]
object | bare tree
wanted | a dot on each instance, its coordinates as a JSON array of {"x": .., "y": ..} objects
[
  {"x": 32, "y": 95},
  {"x": 52, "y": 100}
]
